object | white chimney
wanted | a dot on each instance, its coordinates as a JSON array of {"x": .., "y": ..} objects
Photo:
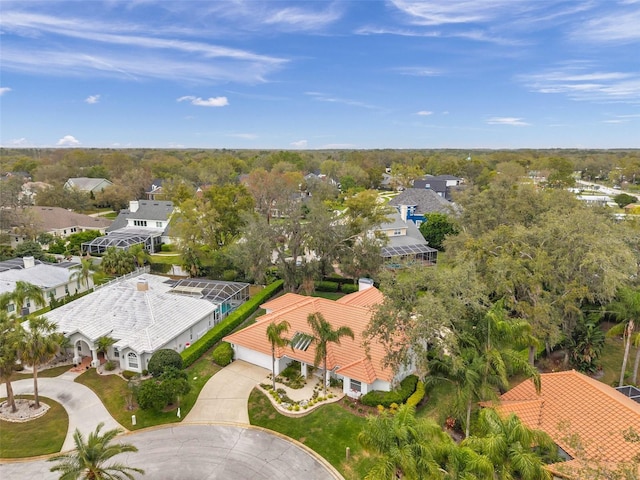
[
  {"x": 29, "y": 262},
  {"x": 403, "y": 212},
  {"x": 134, "y": 205},
  {"x": 364, "y": 283},
  {"x": 142, "y": 285}
]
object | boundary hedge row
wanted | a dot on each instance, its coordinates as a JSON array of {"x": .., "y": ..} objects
[{"x": 226, "y": 326}]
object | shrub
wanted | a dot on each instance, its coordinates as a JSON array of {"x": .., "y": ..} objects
[
  {"x": 226, "y": 326},
  {"x": 150, "y": 395},
  {"x": 223, "y": 354},
  {"x": 162, "y": 359},
  {"x": 417, "y": 396},
  {"x": 128, "y": 374},
  {"x": 398, "y": 396},
  {"x": 327, "y": 286},
  {"x": 160, "y": 267},
  {"x": 110, "y": 366},
  {"x": 348, "y": 288}
]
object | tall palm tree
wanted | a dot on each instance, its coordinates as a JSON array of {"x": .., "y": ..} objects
[
  {"x": 22, "y": 292},
  {"x": 627, "y": 310},
  {"x": 82, "y": 272},
  {"x": 39, "y": 345},
  {"x": 514, "y": 449},
  {"x": 103, "y": 343},
  {"x": 274, "y": 335},
  {"x": 88, "y": 461},
  {"x": 140, "y": 255},
  {"x": 11, "y": 334},
  {"x": 324, "y": 334}
]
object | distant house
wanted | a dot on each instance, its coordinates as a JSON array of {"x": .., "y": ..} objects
[
  {"x": 60, "y": 222},
  {"x": 145, "y": 222},
  {"x": 88, "y": 185},
  {"x": 404, "y": 241},
  {"x": 55, "y": 280},
  {"x": 420, "y": 201},
  {"x": 155, "y": 190},
  {"x": 360, "y": 369},
  {"x": 587, "y": 419},
  {"x": 441, "y": 184},
  {"x": 30, "y": 191},
  {"x": 144, "y": 314}
]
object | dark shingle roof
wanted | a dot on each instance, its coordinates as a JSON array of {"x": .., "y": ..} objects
[
  {"x": 425, "y": 200},
  {"x": 147, "y": 210}
]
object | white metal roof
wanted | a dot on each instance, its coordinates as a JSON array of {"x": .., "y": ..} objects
[
  {"x": 41, "y": 274},
  {"x": 141, "y": 320}
]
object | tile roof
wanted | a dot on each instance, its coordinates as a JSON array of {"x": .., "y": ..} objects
[
  {"x": 571, "y": 403},
  {"x": 43, "y": 275},
  {"x": 425, "y": 200},
  {"x": 141, "y": 320},
  {"x": 349, "y": 358}
]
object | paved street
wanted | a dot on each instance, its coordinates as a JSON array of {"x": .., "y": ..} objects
[{"x": 204, "y": 452}]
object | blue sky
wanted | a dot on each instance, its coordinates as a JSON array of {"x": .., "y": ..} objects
[{"x": 320, "y": 74}]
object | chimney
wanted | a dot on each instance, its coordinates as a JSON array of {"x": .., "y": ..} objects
[
  {"x": 29, "y": 262},
  {"x": 142, "y": 285},
  {"x": 134, "y": 205},
  {"x": 364, "y": 283},
  {"x": 403, "y": 212}
]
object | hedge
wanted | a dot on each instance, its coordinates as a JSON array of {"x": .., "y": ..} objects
[
  {"x": 226, "y": 326},
  {"x": 223, "y": 354},
  {"x": 348, "y": 288},
  {"x": 417, "y": 396},
  {"x": 340, "y": 280},
  {"x": 160, "y": 267},
  {"x": 327, "y": 286},
  {"x": 399, "y": 396}
]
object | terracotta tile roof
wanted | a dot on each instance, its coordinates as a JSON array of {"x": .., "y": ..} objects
[
  {"x": 349, "y": 355},
  {"x": 368, "y": 297},
  {"x": 571, "y": 403}
]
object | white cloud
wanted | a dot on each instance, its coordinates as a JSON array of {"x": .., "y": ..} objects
[
  {"x": 68, "y": 141},
  {"x": 419, "y": 71},
  {"x": 424, "y": 113},
  {"x": 323, "y": 97},
  {"x": 299, "y": 144},
  {"x": 4, "y": 90},
  {"x": 209, "y": 102},
  {"x": 618, "y": 25},
  {"x": 246, "y": 136},
  {"x": 16, "y": 142},
  {"x": 512, "y": 121},
  {"x": 302, "y": 19},
  {"x": 439, "y": 12},
  {"x": 91, "y": 99}
]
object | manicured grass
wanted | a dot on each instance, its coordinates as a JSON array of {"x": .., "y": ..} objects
[
  {"x": 114, "y": 394},
  {"x": 611, "y": 360},
  {"x": 329, "y": 430},
  {"x": 169, "y": 259},
  {"x": 41, "y": 436},
  {"x": 48, "y": 373}
]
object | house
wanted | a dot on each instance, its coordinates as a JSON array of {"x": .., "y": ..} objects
[
  {"x": 56, "y": 280},
  {"x": 360, "y": 369},
  {"x": 145, "y": 222},
  {"x": 60, "y": 222},
  {"x": 420, "y": 201},
  {"x": 88, "y": 185},
  {"x": 404, "y": 240},
  {"x": 144, "y": 314},
  {"x": 587, "y": 419},
  {"x": 441, "y": 184},
  {"x": 155, "y": 190}
]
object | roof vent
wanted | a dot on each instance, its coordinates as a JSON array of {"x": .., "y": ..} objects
[
  {"x": 29, "y": 262},
  {"x": 142, "y": 285}
]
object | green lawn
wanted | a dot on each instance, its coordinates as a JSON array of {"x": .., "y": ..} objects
[
  {"x": 48, "y": 373},
  {"x": 168, "y": 259},
  {"x": 329, "y": 430},
  {"x": 41, "y": 436},
  {"x": 611, "y": 361},
  {"x": 114, "y": 394}
]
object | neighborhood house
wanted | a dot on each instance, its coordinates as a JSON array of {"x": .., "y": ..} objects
[
  {"x": 144, "y": 314},
  {"x": 360, "y": 369}
]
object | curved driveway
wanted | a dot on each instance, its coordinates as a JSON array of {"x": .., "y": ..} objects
[
  {"x": 204, "y": 452},
  {"x": 83, "y": 406}
]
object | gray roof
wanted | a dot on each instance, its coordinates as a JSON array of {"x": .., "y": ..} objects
[
  {"x": 425, "y": 201},
  {"x": 411, "y": 243},
  {"x": 141, "y": 320},
  {"x": 431, "y": 183},
  {"x": 43, "y": 275},
  {"x": 152, "y": 210},
  {"x": 87, "y": 184},
  {"x": 55, "y": 218}
]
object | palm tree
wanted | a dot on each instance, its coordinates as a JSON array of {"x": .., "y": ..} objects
[
  {"x": 39, "y": 345},
  {"x": 11, "y": 334},
  {"x": 274, "y": 335},
  {"x": 140, "y": 255},
  {"x": 627, "y": 310},
  {"x": 88, "y": 461},
  {"x": 324, "y": 334},
  {"x": 509, "y": 445},
  {"x": 117, "y": 262},
  {"x": 103, "y": 343},
  {"x": 22, "y": 292},
  {"x": 82, "y": 272}
]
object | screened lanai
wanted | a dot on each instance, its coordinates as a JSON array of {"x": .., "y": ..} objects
[
  {"x": 421, "y": 252},
  {"x": 123, "y": 240},
  {"x": 227, "y": 295}
]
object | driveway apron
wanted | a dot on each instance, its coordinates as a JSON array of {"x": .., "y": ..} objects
[{"x": 225, "y": 397}]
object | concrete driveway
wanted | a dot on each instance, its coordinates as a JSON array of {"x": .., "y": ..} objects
[
  {"x": 225, "y": 397},
  {"x": 83, "y": 406},
  {"x": 204, "y": 452}
]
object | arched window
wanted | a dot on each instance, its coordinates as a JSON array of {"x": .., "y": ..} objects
[{"x": 132, "y": 360}]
